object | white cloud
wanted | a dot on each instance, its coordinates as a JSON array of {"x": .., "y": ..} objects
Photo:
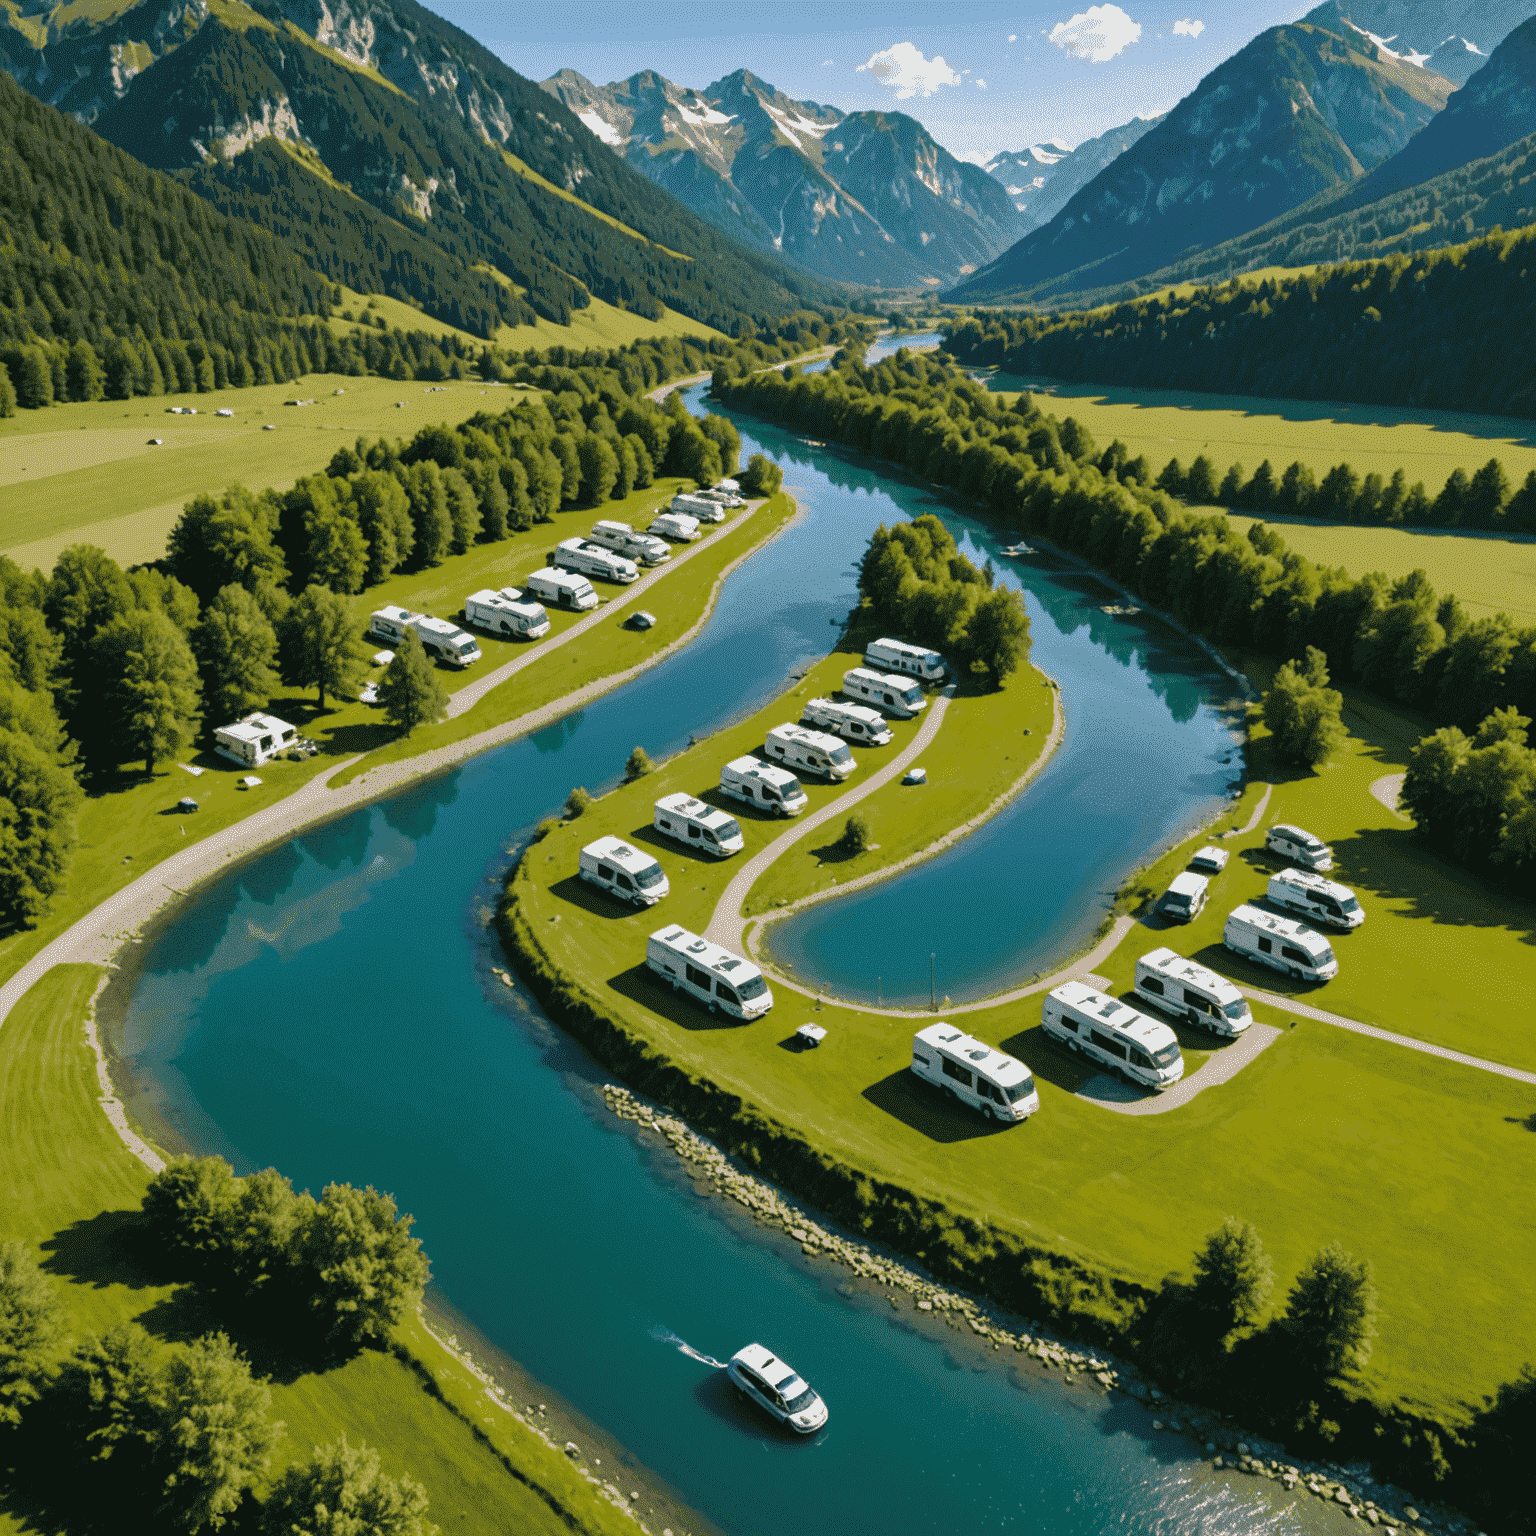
[
  {"x": 825, "y": 63},
  {"x": 1188, "y": 28},
  {"x": 1013, "y": 37},
  {"x": 907, "y": 72},
  {"x": 981, "y": 85},
  {"x": 1095, "y": 35}
]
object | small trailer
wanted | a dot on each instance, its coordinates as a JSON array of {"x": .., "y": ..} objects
[
  {"x": 855, "y": 722},
  {"x": 897, "y": 696},
  {"x": 1188, "y": 991},
  {"x": 1324, "y": 901},
  {"x": 1281, "y": 943},
  {"x": 1112, "y": 1033},
  {"x": 623, "y": 870},
  {"x": 912, "y": 660},
  {"x": 1000, "y": 1086},
  {"x": 645, "y": 548},
  {"x": 708, "y": 973},
  {"x": 505, "y": 613},
  {"x": 698, "y": 826},
  {"x": 562, "y": 589},
  {"x": 812, "y": 751},
  {"x": 758, "y": 783},
  {"x": 695, "y": 504},
  {"x": 593, "y": 560},
  {"x": 254, "y": 739},
  {"x": 676, "y": 527}
]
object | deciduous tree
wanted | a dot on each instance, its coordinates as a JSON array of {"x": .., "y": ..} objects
[
  {"x": 236, "y": 646},
  {"x": 1331, "y": 1312},
  {"x": 30, "y": 1327},
  {"x": 364, "y": 1271},
  {"x": 39, "y": 799},
  {"x": 341, "y": 1491},
  {"x": 151, "y": 689},
  {"x": 1233, "y": 1276},
  {"x": 321, "y": 649},
  {"x": 409, "y": 690},
  {"x": 1304, "y": 714}
]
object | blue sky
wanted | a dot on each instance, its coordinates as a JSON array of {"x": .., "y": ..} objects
[{"x": 1100, "y": 70}]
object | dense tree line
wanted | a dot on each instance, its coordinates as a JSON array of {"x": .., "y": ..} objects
[
  {"x": 1445, "y": 329},
  {"x": 1039, "y": 475}
]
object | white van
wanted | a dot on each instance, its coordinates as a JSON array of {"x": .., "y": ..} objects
[
  {"x": 966, "y": 1069},
  {"x": 695, "y": 504},
  {"x": 1324, "y": 901},
  {"x": 504, "y": 613},
  {"x": 727, "y": 494},
  {"x": 1299, "y": 846},
  {"x": 611, "y": 534},
  {"x": 391, "y": 623},
  {"x": 631, "y": 875},
  {"x": 1184, "y": 899},
  {"x": 1112, "y": 1033},
  {"x": 758, "y": 783},
  {"x": 593, "y": 560},
  {"x": 1288, "y": 946},
  {"x": 895, "y": 695},
  {"x": 446, "y": 641},
  {"x": 1189, "y": 991},
  {"x": 851, "y": 720},
  {"x": 813, "y": 751},
  {"x": 674, "y": 526},
  {"x": 897, "y": 656},
  {"x": 563, "y": 589},
  {"x": 709, "y": 973},
  {"x": 698, "y": 826}
]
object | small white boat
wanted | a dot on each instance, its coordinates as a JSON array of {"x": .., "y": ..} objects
[
  {"x": 1016, "y": 551},
  {"x": 774, "y": 1386},
  {"x": 1118, "y": 608}
]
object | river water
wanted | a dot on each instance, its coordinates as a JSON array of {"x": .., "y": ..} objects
[{"x": 329, "y": 1009}]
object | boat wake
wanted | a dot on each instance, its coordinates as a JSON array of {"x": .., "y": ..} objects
[{"x": 666, "y": 1336}]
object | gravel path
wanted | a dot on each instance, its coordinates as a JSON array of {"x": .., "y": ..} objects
[
  {"x": 1389, "y": 789},
  {"x": 1223, "y": 1065},
  {"x": 1253, "y": 820}
]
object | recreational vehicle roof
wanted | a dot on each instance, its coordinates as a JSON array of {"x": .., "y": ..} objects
[
  {"x": 1167, "y": 963},
  {"x": 707, "y": 956},
  {"x": 1284, "y": 927},
  {"x": 395, "y": 615},
  {"x": 254, "y": 726},
  {"x": 755, "y": 767},
  {"x": 1121, "y": 1015},
  {"x": 962, "y": 1047},
  {"x": 686, "y": 805},
  {"x": 620, "y": 852}
]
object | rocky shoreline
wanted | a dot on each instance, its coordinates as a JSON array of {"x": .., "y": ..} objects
[{"x": 1350, "y": 1490}]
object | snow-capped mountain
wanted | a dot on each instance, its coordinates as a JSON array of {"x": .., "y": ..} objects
[{"x": 1043, "y": 179}]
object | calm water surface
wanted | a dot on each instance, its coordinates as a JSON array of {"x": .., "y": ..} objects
[{"x": 329, "y": 1009}]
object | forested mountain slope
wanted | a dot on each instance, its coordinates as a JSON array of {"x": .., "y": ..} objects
[
  {"x": 1301, "y": 109},
  {"x": 866, "y": 197},
  {"x": 385, "y": 107}
]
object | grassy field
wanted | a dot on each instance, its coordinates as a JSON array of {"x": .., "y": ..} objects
[
  {"x": 1400, "y": 1156},
  {"x": 71, "y": 1189}
]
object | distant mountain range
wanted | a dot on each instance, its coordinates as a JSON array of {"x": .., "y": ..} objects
[{"x": 865, "y": 197}]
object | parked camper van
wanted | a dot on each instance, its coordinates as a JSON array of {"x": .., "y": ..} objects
[
  {"x": 897, "y": 696},
  {"x": 812, "y": 751},
  {"x": 1298, "y": 846},
  {"x": 593, "y": 560},
  {"x": 758, "y": 783},
  {"x": 390, "y": 624},
  {"x": 562, "y": 589},
  {"x": 1324, "y": 901},
  {"x": 446, "y": 641},
  {"x": 698, "y": 826},
  {"x": 913, "y": 660},
  {"x": 643, "y": 547},
  {"x": 853, "y": 721},
  {"x": 713, "y": 975},
  {"x": 1189, "y": 991},
  {"x": 696, "y": 504},
  {"x": 675, "y": 526},
  {"x": 1280, "y": 942},
  {"x": 966, "y": 1069},
  {"x": 505, "y": 613},
  {"x": 629, "y": 873},
  {"x": 1112, "y": 1033},
  {"x": 1184, "y": 899}
]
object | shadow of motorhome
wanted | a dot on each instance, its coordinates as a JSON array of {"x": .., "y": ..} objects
[
  {"x": 642, "y": 985},
  {"x": 927, "y": 1111},
  {"x": 590, "y": 898}
]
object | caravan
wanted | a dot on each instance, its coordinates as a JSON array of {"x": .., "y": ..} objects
[
  {"x": 674, "y": 526},
  {"x": 975, "y": 1074},
  {"x": 505, "y": 613},
  {"x": 897, "y": 656},
  {"x": 390, "y": 624},
  {"x": 593, "y": 560},
  {"x": 1189, "y": 991},
  {"x": 563, "y": 589},
  {"x": 446, "y": 641},
  {"x": 1279, "y": 942},
  {"x": 852, "y": 721},
  {"x": 745, "y": 778},
  {"x": 695, "y": 504},
  {"x": 895, "y": 695},
  {"x": 1298, "y": 846},
  {"x": 1184, "y": 900},
  {"x": 796, "y": 747},
  {"x": 1324, "y": 901},
  {"x": 705, "y": 971},
  {"x": 620, "y": 537},
  {"x": 698, "y": 826},
  {"x": 629, "y": 874},
  {"x": 1113, "y": 1034}
]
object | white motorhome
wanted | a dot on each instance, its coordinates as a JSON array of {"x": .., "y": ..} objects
[
  {"x": 447, "y": 641},
  {"x": 562, "y": 589},
  {"x": 975, "y": 1074},
  {"x": 698, "y": 826},
  {"x": 254, "y": 739},
  {"x": 1184, "y": 899},
  {"x": 897, "y": 696},
  {"x": 1324, "y": 901},
  {"x": 626, "y": 871},
  {"x": 718, "y": 493},
  {"x": 1280, "y": 942},
  {"x": 705, "y": 971},
  {"x": 913, "y": 660},
  {"x": 1299, "y": 846},
  {"x": 1113, "y": 1034},
  {"x": 1188, "y": 991},
  {"x": 391, "y": 624},
  {"x": 758, "y": 783},
  {"x": 644, "y": 547},
  {"x": 674, "y": 526},
  {"x": 854, "y": 721},
  {"x": 593, "y": 560},
  {"x": 505, "y": 613},
  {"x": 694, "y": 504},
  {"x": 813, "y": 751}
]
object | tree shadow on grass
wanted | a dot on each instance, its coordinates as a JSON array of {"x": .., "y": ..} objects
[
  {"x": 109, "y": 1248},
  {"x": 641, "y": 985},
  {"x": 348, "y": 739},
  {"x": 590, "y": 898},
  {"x": 927, "y": 1111}
]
